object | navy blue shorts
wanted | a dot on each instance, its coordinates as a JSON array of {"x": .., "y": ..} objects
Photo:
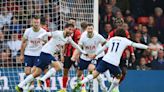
[
  {"x": 30, "y": 61},
  {"x": 83, "y": 64},
  {"x": 99, "y": 60},
  {"x": 44, "y": 60},
  {"x": 103, "y": 66}
]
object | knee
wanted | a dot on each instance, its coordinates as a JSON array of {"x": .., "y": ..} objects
[
  {"x": 27, "y": 71},
  {"x": 79, "y": 73},
  {"x": 118, "y": 76},
  {"x": 91, "y": 67}
]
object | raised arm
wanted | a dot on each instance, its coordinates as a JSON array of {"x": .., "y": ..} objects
[
  {"x": 76, "y": 46},
  {"x": 139, "y": 45},
  {"x": 45, "y": 34}
]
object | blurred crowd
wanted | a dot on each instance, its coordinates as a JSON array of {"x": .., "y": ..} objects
[{"x": 144, "y": 19}]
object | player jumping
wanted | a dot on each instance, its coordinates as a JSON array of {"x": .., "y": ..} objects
[{"x": 111, "y": 60}]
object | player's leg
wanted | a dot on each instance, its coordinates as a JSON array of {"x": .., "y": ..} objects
[
  {"x": 29, "y": 63},
  {"x": 48, "y": 81},
  {"x": 28, "y": 79},
  {"x": 55, "y": 67},
  {"x": 67, "y": 65},
  {"x": 116, "y": 71},
  {"x": 53, "y": 62},
  {"x": 100, "y": 78},
  {"x": 82, "y": 65},
  {"x": 101, "y": 67},
  {"x": 30, "y": 86}
]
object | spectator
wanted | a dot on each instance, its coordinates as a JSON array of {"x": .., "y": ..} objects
[
  {"x": 142, "y": 65},
  {"x": 138, "y": 52},
  {"x": 3, "y": 43},
  {"x": 145, "y": 36},
  {"x": 107, "y": 29},
  {"x": 108, "y": 17},
  {"x": 154, "y": 43},
  {"x": 158, "y": 64},
  {"x": 114, "y": 7},
  {"x": 5, "y": 17},
  {"x": 5, "y": 58},
  {"x": 130, "y": 21},
  {"x": 151, "y": 27},
  {"x": 159, "y": 22},
  {"x": 14, "y": 45},
  {"x": 118, "y": 14},
  {"x": 15, "y": 26}
]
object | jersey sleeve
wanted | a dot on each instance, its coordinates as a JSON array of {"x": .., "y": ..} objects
[
  {"x": 25, "y": 35},
  {"x": 128, "y": 42},
  {"x": 81, "y": 41},
  {"x": 102, "y": 39}
]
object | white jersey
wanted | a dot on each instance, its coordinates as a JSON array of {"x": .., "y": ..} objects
[
  {"x": 56, "y": 42},
  {"x": 116, "y": 46},
  {"x": 34, "y": 45},
  {"x": 91, "y": 45}
]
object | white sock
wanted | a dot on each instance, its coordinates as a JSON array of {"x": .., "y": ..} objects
[
  {"x": 114, "y": 84},
  {"x": 28, "y": 79},
  {"x": 101, "y": 82},
  {"x": 108, "y": 76},
  {"x": 31, "y": 87},
  {"x": 51, "y": 72},
  {"x": 86, "y": 79}
]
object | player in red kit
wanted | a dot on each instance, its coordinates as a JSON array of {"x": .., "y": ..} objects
[{"x": 67, "y": 54}]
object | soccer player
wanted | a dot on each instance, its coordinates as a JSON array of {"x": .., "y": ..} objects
[
  {"x": 31, "y": 47},
  {"x": 119, "y": 24},
  {"x": 90, "y": 41},
  {"x": 59, "y": 38},
  {"x": 67, "y": 54},
  {"x": 111, "y": 60}
]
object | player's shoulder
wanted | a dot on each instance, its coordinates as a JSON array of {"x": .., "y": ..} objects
[
  {"x": 28, "y": 29},
  {"x": 42, "y": 30},
  {"x": 118, "y": 38}
]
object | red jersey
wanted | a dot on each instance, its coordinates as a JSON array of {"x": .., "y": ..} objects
[
  {"x": 131, "y": 49},
  {"x": 68, "y": 47}
]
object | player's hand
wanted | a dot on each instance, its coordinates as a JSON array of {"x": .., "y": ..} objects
[
  {"x": 152, "y": 48},
  {"x": 92, "y": 56},
  {"x": 21, "y": 58},
  {"x": 62, "y": 58},
  {"x": 133, "y": 58}
]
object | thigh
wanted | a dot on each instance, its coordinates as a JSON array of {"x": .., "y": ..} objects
[
  {"x": 115, "y": 70},
  {"x": 83, "y": 64},
  {"x": 102, "y": 66},
  {"x": 45, "y": 60},
  {"x": 28, "y": 61},
  {"x": 68, "y": 62}
]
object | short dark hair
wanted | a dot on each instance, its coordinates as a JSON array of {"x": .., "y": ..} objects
[
  {"x": 36, "y": 17},
  {"x": 84, "y": 25},
  {"x": 120, "y": 32},
  {"x": 90, "y": 25},
  {"x": 68, "y": 25},
  {"x": 43, "y": 20},
  {"x": 72, "y": 19}
]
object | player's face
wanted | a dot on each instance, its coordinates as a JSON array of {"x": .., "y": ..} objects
[
  {"x": 69, "y": 31},
  {"x": 36, "y": 23},
  {"x": 72, "y": 22},
  {"x": 90, "y": 29}
]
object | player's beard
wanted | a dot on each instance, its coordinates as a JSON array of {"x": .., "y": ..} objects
[{"x": 90, "y": 34}]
